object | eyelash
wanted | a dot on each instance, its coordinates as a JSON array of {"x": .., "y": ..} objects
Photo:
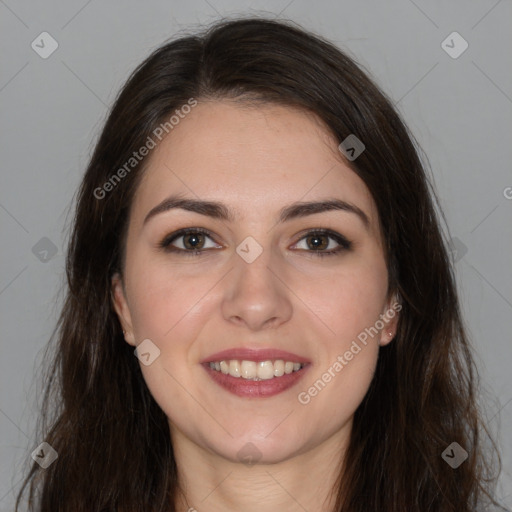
[{"x": 165, "y": 244}]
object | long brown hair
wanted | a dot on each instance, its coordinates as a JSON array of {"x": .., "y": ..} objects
[{"x": 113, "y": 440}]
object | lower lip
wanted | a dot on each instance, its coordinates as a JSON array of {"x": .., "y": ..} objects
[{"x": 256, "y": 388}]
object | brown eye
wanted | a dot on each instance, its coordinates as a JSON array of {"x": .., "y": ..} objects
[
  {"x": 317, "y": 241},
  {"x": 323, "y": 243},
  {"x": 189, "y": 241},
  {"x": 193, "y": 241}
]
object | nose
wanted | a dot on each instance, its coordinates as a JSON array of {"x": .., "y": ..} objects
[{"x": 255, "y": 297}]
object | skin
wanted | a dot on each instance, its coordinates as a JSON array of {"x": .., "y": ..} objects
[{"x": 256, "y": 161}]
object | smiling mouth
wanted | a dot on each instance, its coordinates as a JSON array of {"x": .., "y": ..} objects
[{"x": 256, "y": 371}]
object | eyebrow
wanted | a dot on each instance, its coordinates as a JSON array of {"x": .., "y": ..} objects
[{"x": 222, "y": 212}]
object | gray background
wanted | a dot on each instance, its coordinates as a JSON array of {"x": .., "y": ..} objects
[{"x": 460, "y": 110}]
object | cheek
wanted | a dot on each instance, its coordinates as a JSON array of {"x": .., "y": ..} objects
[
  {"x": 347, "y": 303},
  {"x": 172, "y": 309},
  {"x": 334, "y": 394},
  {"x": 337, "y": 385},
  {"x": 162, "y": 298},
  {"x": 349, "y": 307},
  {"x": 170, "y": 312}
]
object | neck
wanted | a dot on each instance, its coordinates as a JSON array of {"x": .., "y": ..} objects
[{"x": 303, "y": 482}]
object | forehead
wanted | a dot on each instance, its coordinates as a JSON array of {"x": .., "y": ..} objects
[{"x": 255, "y": 159}]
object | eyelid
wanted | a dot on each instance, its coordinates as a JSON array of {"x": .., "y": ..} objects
[
  {"x": 342, "y": 241},
  {"x": 166, "y": 242}
]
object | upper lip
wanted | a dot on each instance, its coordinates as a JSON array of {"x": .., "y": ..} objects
[{"x": 256, "y": 355}]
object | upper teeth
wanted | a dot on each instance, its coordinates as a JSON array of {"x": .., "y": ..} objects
[{"x": 256, "y": 370}]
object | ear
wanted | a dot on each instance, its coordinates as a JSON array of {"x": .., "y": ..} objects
[
  {"x": 389, "y": 317},
  {"x": 121, "y": 306}
]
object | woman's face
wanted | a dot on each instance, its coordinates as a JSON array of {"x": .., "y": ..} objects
[{"x": 260, "y": 281}]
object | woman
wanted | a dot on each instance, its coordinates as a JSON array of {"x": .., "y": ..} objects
[{"x": 255, "y": 226}]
